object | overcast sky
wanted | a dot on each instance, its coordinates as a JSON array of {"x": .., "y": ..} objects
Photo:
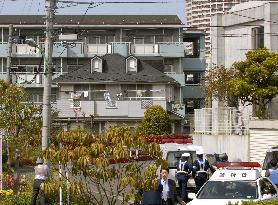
[{"x": 29, "y": 7}]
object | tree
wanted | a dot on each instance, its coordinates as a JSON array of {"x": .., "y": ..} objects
[
  {"x": 257, "y": 82},
  {"x": 20, "y": 121},
  {"x": 156, "y": 121},
  {"x": 216, "y": 85},
  {"x": 101, "y": 168}
]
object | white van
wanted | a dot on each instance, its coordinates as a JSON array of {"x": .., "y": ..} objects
[{"x": 173, "y": 151}]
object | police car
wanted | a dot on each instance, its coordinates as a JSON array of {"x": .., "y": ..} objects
[{"x": 235, "y": 182}]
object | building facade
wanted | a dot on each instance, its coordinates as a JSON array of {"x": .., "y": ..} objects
[
  {"x": 245, "y": 27},
  {"x": 109, "y": 69},
  {"x": 199, "y": 13}
]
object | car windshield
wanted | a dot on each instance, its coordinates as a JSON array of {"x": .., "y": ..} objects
[
  {"x": 174, "y": 156},
  {"x": 269, "y": 156},
  {"x": 229, "y": 190}
]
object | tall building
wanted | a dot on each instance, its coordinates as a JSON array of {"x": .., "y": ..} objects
[
  {"x": 245, "y": 27},
  {"x": 199, "y": 13}
]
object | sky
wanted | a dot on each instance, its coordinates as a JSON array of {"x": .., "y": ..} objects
[{"x": 35, "y": 7}]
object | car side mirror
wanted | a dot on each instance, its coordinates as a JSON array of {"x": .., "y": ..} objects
[
  {"x": 191, "y": 195},
  {"x": 266, "y": 196}
]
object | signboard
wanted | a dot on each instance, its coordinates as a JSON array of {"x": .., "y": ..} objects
[{"x": 235, "y": 175}]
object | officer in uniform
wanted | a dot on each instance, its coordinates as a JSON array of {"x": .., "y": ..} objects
[
  {"x": 272, "y": 172},
  {"x": 200, "y": 167},
  {"x": 184, "y": 168}
]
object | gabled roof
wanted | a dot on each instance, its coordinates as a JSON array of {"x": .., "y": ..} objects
[
  {"x": 114, "y": 71},
  {"x": 93, "y": 19}
]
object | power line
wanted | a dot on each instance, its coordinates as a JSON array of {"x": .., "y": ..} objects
[{"x": 114, "y": 2}]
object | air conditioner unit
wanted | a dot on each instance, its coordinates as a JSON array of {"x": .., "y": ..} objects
[{"x": 68, "y": 37}]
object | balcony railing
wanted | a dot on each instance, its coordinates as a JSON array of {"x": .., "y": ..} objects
[
  {"x": 145, "y": 49},
  {"x": 99, "y": 49},
  {"x": 25, "y": 50},
  {"x": 124, "y": 108},
  {"x": 81, "y": 49}
]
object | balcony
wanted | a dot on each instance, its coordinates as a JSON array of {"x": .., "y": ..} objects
[
  {"x": 98, "y": 49},
  {"x": 122, "y": 48},
  {"x": 3, "y": 50},
  {"x": 171, "y": 49},
  {"x": 193, "y": 91},
  {"x": 145, "y": 49},
  {"x": 180, "y": 78},
  {"x": 81, "y": 49},
  {"x": 69, "y": 108},
  {"x": 194, "y": 64},
  {"x": 24, "y": 50}
]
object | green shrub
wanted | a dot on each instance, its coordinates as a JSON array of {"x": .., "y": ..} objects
[{"x": 266, "y": 202}]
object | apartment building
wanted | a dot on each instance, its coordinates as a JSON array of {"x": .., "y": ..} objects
[
  {"x": 199, "y": 13},
  {"x": 245, "y": 27},
  {"x": 109, "y": 69}
]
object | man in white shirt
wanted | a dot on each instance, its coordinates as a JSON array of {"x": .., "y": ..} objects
[
  {"x": 41, "y": 173},
  {"x": 169, "y": 193}
]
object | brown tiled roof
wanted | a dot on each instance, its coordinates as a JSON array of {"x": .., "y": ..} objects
[{"x": 93, "y": 19}]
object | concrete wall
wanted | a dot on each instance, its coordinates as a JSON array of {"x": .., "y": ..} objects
[
  {"x": 236, "y": 146},
  {"x": 263, "y": 135}
]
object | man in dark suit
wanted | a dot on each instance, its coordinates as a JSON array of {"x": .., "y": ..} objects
[{"x": 169, "y": 193}]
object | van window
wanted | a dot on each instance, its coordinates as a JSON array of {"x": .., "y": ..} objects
[
  {"x": 174, "y": 156},
  {"x": 269, "y": 156}
]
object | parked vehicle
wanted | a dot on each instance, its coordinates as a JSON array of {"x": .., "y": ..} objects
[
  {"x": 172, "y": 151},
  {"x": 235, "y": 182},
  {"x": 271, "y": 153}
]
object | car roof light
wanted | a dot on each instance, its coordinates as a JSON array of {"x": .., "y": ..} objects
[{"x": 238, "y": 164}]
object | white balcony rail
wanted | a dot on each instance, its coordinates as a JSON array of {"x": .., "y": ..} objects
[
  {"x": 146, "y": 49},
  {"x": 221, "y": 121},
  {"x": 99, "y": 48},
  {"x": 25, "y": 49}
]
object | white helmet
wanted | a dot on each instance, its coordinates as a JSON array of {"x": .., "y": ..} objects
[{"x": 185, "y": 155}]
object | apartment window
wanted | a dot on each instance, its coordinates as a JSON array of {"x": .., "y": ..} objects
[
  {"x": 96, "y": 64},
  {"x": 82, "y": 91},
  {"x": 169, "y": 68},
  {"x": 192, "y": 46},
  {"x": 97, "y": 91},
  {"x": 258, "y": 37},
  {"x": 131, "y": 64},
  {"x": 138, "y": 40},
  {"x": 128, "y": 90},
  {"x": 192, "y": 78},
  {"x": 191, "y": 104}
]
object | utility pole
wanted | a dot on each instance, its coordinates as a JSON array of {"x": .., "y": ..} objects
[
  {"x": 46, "y": 109},
  {"x": 9, "y": 57}
]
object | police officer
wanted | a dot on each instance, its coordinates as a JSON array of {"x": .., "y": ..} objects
[
  {"x": 200, "y": 167},
  {"x": 272, "y": 172},
  {"x": 184, "y": 168}
]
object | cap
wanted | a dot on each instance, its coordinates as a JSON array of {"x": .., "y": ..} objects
[
  {"x": 199, "y": 152},
  {"x": 39, "y": 161},
  {"x": 185, "y": 155}
]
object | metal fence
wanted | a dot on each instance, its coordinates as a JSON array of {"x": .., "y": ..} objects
[{"x": 222, "y": 120}]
